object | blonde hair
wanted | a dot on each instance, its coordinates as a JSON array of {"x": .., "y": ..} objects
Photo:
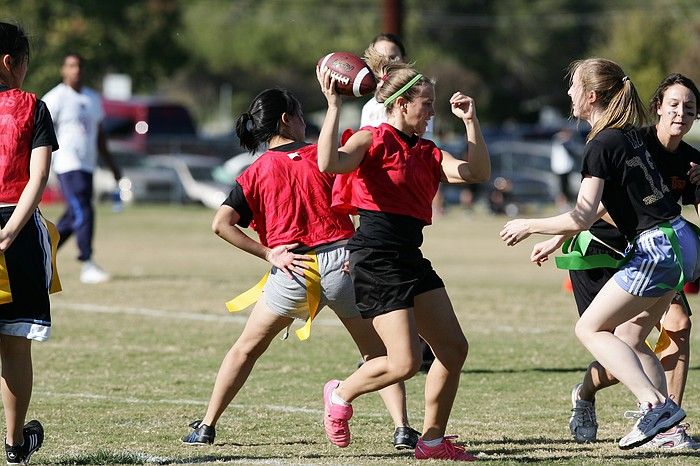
[
  {"x": 392, "y": 76},
  {"x": 615, "y": 94}
]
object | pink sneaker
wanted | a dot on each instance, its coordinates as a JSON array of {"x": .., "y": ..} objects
[
  {"x": 445, "y": 451},
  {"x": 335, "y": 418}
]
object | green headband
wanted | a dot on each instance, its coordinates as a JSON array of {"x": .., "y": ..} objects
[{"x": 406, "y": 87}]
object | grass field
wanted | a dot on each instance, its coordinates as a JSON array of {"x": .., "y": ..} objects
[{"x": 132, "y": 362}]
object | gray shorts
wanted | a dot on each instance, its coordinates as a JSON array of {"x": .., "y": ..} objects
[{"x": 287, "y": 296}]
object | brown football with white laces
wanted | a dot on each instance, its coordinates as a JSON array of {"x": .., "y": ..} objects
[{"x": 352, "y": 75}]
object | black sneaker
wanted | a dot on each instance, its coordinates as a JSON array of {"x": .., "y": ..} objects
[
  {"x": 427, "y": 355},
  {"x": 405, "y": 438},
  {"x": 33, "y": 437},
  {"x": 201, "y": 435}
]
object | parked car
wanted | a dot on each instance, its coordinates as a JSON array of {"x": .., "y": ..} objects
[
  {"x": 195, "y": 174},
  {"x": 233, "y": 167},
  {"x": 140, "y": 182},
  {"x": 520, "y": 175},
  {"x": 151, "y": 125}
]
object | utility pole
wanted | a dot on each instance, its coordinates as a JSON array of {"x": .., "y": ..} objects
[{"x": 393, "y": 17}]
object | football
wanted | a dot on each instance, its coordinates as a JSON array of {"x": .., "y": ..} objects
[{"x": 352, "y": 75}]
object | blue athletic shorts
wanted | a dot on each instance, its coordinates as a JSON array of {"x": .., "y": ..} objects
[{"x": 653, "y": 270}]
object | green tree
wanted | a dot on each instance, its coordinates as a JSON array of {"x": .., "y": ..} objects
[
  {"x": 668, "y": 42},
  {"x": 132, "y": 36}
]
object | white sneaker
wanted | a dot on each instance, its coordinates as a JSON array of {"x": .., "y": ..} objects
[
  {"x": 92, "y": 273},
  {"x": 674, "y": 439},
  {"x": 652, "y": 422},
  {"x": 583, "y": 424}
]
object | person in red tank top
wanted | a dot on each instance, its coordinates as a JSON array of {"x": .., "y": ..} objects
[
  {"x": 27, "y": 139},
  {"x": 389, "y": 176},
  {"x": 286, "y": 200}
]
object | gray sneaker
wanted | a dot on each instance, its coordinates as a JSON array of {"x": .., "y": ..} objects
[
  {"x": 674, "y": 439},
  {"x": 653, "y": 421},
  {"x": 583, "y": 424}
]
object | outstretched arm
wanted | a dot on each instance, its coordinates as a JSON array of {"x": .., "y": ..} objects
[
  {"x": 477, "y": 166},
  {"x": 224, "y": 225},
  {"x": 541, "y": 251},
  {"x": 586, "y": 211}
]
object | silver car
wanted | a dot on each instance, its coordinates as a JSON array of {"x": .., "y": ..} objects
[
  {"x": 195, "y": 174},
  {"x": 140, "y": 181}
]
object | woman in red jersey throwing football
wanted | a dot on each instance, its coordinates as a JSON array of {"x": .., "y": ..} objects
[
  {"x": 390, "y": 175},
  {"x": 285, "y": 199}
]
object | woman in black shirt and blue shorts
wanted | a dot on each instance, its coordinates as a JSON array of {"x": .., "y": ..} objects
[{"x": 620, "y": 179}]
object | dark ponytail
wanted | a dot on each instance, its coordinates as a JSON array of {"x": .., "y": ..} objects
[{"x": 261, "y": 122}]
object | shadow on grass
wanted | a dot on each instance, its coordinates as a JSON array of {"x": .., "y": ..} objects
[
  {"x": 530, "y": 442},
  {"x": 555, "y": 370},
  {"x": 587, "y": 451},
  {"x": 511, "y": 455},
  {"x": 266, "y": 444},
  {"x": 107, "y": 457},
  {"x": 525, "y": 370}
]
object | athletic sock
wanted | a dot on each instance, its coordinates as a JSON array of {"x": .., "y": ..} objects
[
  {"x": 336, "y": 400},
  {"x": 434, "y": 442}
]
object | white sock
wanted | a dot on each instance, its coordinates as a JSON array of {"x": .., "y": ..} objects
[
  {"x": 434, "y": 442},
  {"x": 336, "y": 400}
]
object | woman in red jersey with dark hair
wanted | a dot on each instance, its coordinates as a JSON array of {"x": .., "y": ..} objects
[
  {"x": 286, "y": 200},
  {"x": 27, "y": 139},
  {"x": 390, "y": 176}
]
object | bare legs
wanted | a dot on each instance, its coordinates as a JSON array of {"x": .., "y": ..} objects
[
  {"x": 674, "y": 359},
  {"x": 434, "y": 318},
  {"x": 16, "y": 385},
  {"x": 262, "y": 326},
  {"x": 626, "y": 356},
  {"x": 260, "y": 329},
  {"x": 440, "y": 328},
  {"x": 371, "y": 347}
]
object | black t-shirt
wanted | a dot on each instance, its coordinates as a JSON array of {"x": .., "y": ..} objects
[
  {"x": 383, "y": 230},
  {"x": 634, "y": 194},
  {"x": 674, "y": 167},
  {"x": 44, "y": 134},
  {"x": 236, "y": 200},
  {"x": 609, "y": 235}
]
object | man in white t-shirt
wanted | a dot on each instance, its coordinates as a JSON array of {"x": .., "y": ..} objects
[{"x": 77, "y": 114}]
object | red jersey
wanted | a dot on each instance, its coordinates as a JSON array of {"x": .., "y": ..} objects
[
  {"x": 16, "y": 132},
  {"x": 290, "y": 200},
  {"x": 392, "y": 178}
]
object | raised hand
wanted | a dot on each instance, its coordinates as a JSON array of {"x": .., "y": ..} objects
[
  {"x": 462, "y": 106},
  {"x": 327, "y": 83}
]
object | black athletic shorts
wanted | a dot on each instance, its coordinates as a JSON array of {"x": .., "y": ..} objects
[
  {"x": 28, "y": 261},
  {"x": 387, "y": 280},
  {"x": 587, "y": 283}
]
